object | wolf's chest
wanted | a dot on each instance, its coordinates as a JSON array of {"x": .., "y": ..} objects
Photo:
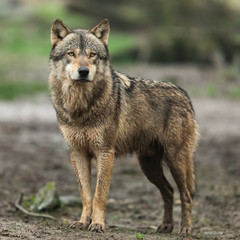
[{"x": 82, "y": 137}]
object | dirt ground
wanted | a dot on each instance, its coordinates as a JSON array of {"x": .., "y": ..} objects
[{"x": 32, "y": 153}]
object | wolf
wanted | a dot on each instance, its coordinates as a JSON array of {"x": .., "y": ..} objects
[{"x": 103, "y": 114}]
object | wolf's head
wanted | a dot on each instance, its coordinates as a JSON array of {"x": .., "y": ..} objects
[{"x": 79, "y": 55}]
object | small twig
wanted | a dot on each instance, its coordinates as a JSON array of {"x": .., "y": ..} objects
[
  {"x": 20, "y": 198},
  {"x": 153, "y": 227},
  {"x": 22, "y": 209}
]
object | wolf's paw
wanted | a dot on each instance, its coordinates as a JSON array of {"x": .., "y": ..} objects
[
  {"x": 165, "y": 228},
  {"x": 95, "y": 227},
  {"x": 79, "y": 225},
  {"x": 185, "y": 231}
]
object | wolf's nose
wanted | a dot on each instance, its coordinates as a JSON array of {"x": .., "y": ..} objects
[{"x": 83, "y": 71}]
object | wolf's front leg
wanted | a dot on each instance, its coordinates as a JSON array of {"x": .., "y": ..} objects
[
  {"x": 105, "y": 163},
  {"x": 82, "y": 167}
]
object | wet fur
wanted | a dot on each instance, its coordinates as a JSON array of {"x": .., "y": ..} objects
[{"x": 115, "y": 114}]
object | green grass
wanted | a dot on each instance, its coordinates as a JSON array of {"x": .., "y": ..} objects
[{"x": 11, "y": 90}]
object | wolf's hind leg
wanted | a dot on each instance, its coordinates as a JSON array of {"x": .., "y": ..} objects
[
  {"x": 82, "y": 168},
  {"x": 179, "y": 165},
  {"x": 152, "y": 168}
]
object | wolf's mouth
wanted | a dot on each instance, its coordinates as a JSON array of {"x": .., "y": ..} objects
[{"x": 83, "y": 80}]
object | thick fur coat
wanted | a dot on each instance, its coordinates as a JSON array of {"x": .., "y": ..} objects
[{"x": 103, "y": 113}]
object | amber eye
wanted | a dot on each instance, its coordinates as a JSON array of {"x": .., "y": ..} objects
[
  {"x": 92, "y": 54},
  {"x": 72, "y": 54}
]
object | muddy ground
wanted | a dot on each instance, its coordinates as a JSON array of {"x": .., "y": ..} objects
[{"x": 32, "y": 153}]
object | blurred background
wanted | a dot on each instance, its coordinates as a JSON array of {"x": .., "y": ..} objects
[
  {"x": 192, "y": 43},
  {"x": 203, "y": 33}
]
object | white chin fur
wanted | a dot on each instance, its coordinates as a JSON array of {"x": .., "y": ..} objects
[{"x": 73, "y": 75}]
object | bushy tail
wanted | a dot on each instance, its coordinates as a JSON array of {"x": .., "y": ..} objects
[{"x": 190, "y": 166}]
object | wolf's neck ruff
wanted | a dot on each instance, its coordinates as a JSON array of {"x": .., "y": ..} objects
[{"x": 81, "y": 98}]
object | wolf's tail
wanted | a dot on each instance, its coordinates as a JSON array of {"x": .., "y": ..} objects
[{"x": 190, "y": 177}]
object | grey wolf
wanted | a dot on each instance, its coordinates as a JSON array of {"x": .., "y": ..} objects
[{"x": 103, "y": 113}]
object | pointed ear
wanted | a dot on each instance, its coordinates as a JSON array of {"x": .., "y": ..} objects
[
  {"x": 58, "y": 31},
  {"x": 101, "y": 31}
]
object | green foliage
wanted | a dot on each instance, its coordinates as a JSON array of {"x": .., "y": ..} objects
[
  {"x": 46, "y": 199},
  {"x": 176, "y": 30},
  {"x": 120, "y": 43},
  {"x": 27, "y": 203},
  {"x": 20, "y": 37},
  {"x": 30, "y": 36},
  {"x": 49, "y": 11},
  {"x": 139, "y": 236},
  {"x": 10, "y": 90}
]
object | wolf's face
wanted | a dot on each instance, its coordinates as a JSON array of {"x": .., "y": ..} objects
[{"x": 79, "y": 54}]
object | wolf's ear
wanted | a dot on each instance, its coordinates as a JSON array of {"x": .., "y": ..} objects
[
  {"x": 58, "y": 31},
  {"x": 101, "y": 31}
]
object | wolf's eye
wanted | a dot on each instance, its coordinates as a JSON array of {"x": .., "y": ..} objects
[
  {"x": 92, "y": 54},
  {"x": 72, "y": 54}
]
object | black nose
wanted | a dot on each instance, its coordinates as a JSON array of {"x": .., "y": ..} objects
[{"x": 83, "y": 71}]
